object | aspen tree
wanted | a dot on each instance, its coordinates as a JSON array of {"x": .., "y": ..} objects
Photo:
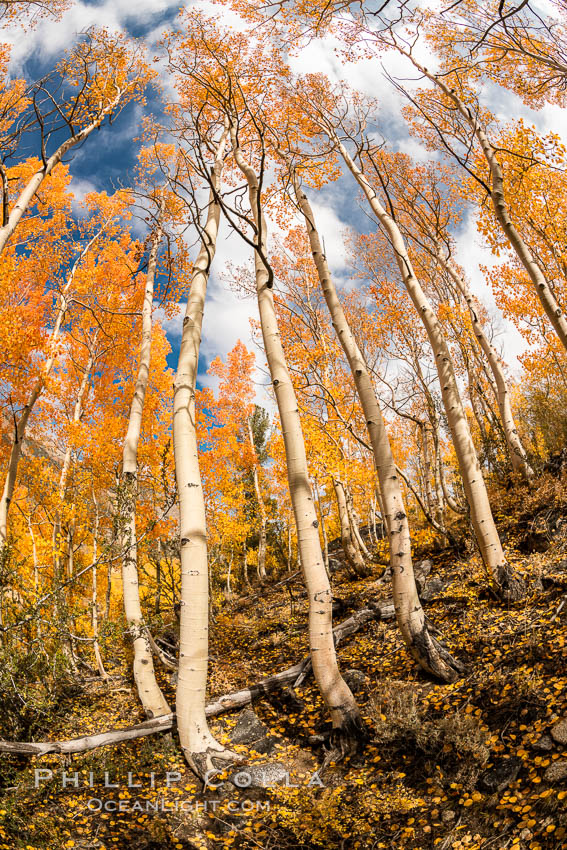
[
  {"x": 202, "y": 751},
  {"x": 347, "y": 723},
  {"x": 426, "y": 649},
  {"x": 462, "y": 105},
  {"x": 350, "y": 548},
  {"x": 516, "y": 450},
  {"x": 507, "y": 583},
  {"x": 150, "y": 694},
  {"x": 421, "y": 193},
  {"x": 261, "y": 508}
]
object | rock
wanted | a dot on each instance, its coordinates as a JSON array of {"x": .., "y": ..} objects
[
  {"x": 334, "y": 565},
  {"x": 248, "y": 728},
  {"x": 260, "y": 776},
  {"x": 355, "y": 679},
  {"x": 500, "y": 775},
  {"x": 423, "y": 568},
  {"x": 545, "y": 744},
  {"x": 556, "y": 772},
  {"x": 251, "y": 731},
  {"x": 559, "y": 732},
  {"x": 431, "y": 589}
]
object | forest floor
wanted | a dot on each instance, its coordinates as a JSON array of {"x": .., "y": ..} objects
[{"x": 469, "y": 765}]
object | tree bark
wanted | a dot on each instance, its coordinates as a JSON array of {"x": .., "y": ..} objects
[
  {"x": 202, "y": 751},
  {"x": 354, "y": 524},
  {"x": 150, "y": 694},
  {"x": 507, "y": 584},
  {"x": 348, "y": 728},
  {"x": 353, "y": 555},
  {"x": 427, "y": 651},
  {"x": 261, "y": 511},
  {"x": 516, "y": 450}
]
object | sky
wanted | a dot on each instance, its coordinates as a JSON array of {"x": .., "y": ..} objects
[{"x": 105, "y": 162}]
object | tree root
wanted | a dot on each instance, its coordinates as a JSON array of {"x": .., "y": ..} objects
[
  {"x": 511, "y": 587},
  {"x": 432, "y": 655},
  {"x": 346, "y": 740},
  {"x": 208, "y": 764}
]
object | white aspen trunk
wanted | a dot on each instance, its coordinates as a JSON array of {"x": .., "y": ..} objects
[
  {"x": 427, "y": 651},
  {"x": 323, "y": 529},
  {"x": 261, "y": 511},
  {"x": 507, "y": 583},
  {"x": 372, "y": 521},
  {"x": 516, "y": 450},
  {"x": 94, "y": 597},
  {"x": 228, "y": 590},
  {"x": 451, "y": 502},
  {"x": 151, "y": 697},
  {"x": 380, "y": 500},
  {"x": 544, "y": 291},
  {"x": 202, "y": 752},
  {"x": 347, "y": 722},
  {"x": 31, "y": 188},
  {"x": 353, "y": 556},
  {"x": 21, "y": 425},
  {"x": 245, "y": 578},
  {"x": 427, "y": 471},
  {"x": 354, "y": 524},
  {"x": 77, "y": 415}
]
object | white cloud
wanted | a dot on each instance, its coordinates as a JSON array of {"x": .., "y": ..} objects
[
  {"x": 331, "y": 229},
  {"x": 52, "y": 37},
  {"x": 80, "y": 188}
]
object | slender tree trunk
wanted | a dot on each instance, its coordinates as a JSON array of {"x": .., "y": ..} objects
[
  {"x": 157, "y": 602},
  {"x": 347, "y": 722},
  {"x": 372, "y": 521},
  {"x": 354, "y": 525},
  {"x": 323, "y": 530},
  {"x": 509, "y": 586},
  {"x": 352, "y": 554},
  {"x": 544, "y": 291},
  {"x": 383, "y": 518},
  {"x": 108, "y": 592},
  {"x": 228, "y": 589},
  {"x": 245, "y": 578},
  {"x": 427, "y": 651},
  {"x": 202, "y": 751},
  {"x": 261, "y": 511},
  {"x": 32, "y": 187},
  {"x": 94, "y": 599},
  {"x": 150, "y": 694},
  {"x": 516, "y": 450},
  {"x": 57, "y": 530}
]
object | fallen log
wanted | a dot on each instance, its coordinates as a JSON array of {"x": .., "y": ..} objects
[{"x": 376, "y": 611}]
